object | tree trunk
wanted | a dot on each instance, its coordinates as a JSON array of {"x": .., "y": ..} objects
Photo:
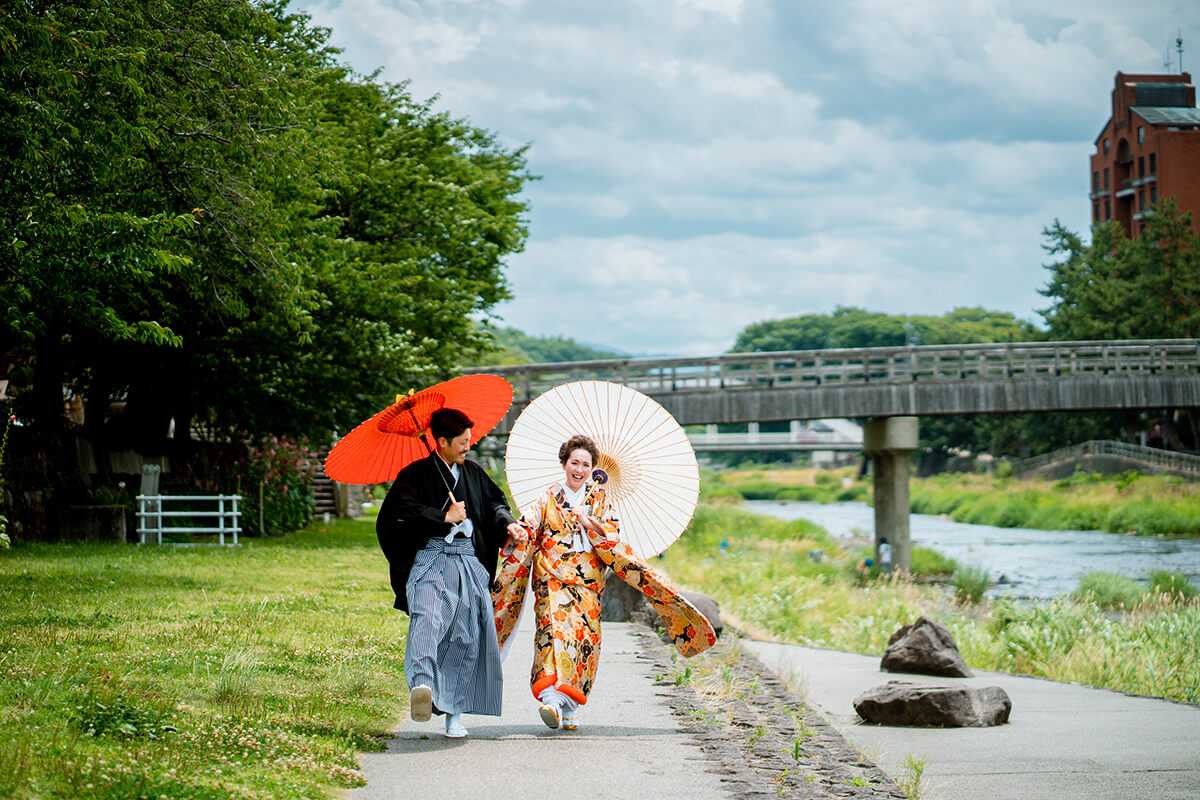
[
  {"x": 1132, "y": 429},
  {"x": 48, "y": 370},
  {"x": 1170, "y": 431},
  {"x": 96, "y": 401}
]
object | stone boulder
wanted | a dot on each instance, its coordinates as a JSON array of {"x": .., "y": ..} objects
[
  {"x": 620, "y": 602},
  {"x": 708, "y": 607},
  {"x": 902, "y": 703},
  {"x": 927, "y": 648}
]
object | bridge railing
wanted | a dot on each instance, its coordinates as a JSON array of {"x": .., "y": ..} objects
[
  {"x": 1165, "y": 459},
  {"x": 857, "y": 366}
]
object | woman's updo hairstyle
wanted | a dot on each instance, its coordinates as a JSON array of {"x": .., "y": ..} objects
[{"x": 578, "y": 442}]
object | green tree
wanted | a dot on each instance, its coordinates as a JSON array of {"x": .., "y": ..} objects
[
  {"x": 856, "y": 327},
  {"x": 1120, "y": 288},
  {"x": 205, "y": 217}
]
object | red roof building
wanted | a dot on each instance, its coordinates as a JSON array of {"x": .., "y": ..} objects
[{"x": 1148, "y": 150}]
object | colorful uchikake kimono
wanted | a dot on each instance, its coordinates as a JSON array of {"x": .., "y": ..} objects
[{"x": 567, "y": 562}]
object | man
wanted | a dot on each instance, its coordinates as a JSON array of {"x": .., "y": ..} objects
[{"x": 441, "y": 528}]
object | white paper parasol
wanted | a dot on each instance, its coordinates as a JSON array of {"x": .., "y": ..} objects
[{"x": 653, "y": 481}]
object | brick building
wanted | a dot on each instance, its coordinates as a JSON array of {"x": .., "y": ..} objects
[{"x": 1148, "y": 150}]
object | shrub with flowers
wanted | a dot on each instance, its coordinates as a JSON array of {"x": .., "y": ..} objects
[{"x": 283, "y": 469}]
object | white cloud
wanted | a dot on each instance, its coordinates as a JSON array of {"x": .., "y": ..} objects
[{"x": 706, "y": 164}]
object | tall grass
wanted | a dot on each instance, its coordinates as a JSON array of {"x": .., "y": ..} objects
[
  {"x": 250, "y": 672},
  {"x": 1129, "y": 503},
  {"x": 1109, "y": 590},
  {"x": 768, "y": 586}
]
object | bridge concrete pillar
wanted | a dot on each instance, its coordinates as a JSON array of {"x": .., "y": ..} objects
[{"x": 890, "y": 441}]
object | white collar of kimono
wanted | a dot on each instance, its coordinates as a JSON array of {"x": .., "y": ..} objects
[
  {"x": 452, "y": 467},
  {"x": 575, "y": 498}
]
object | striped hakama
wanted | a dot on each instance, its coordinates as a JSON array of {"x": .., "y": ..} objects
[{"x": 451, "y": 631}]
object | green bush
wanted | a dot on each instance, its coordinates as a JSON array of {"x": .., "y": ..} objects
[
  {"x": 1149, "y": 518},
  {"x": 858, "y": 492},
  {"x": 930, "y": 562},
  {"x": 281, "y": 468},
  {"x": 806, "y": 493},
  {"x": 1109, "y": 590},
  {"x": 969, "y": 584},
  {"x": 828, "y": 479},
  {"x": 758, "y": 490},
  {"x": 1127, "y": 478},
  {"x": 117, "y": 715},
  {"x": 1172, "y": 583}
]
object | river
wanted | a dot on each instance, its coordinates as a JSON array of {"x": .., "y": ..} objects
[{"x": 1029, "y": 563}]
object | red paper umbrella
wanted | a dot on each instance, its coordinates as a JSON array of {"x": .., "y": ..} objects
[{"x": 397, "y": 436}]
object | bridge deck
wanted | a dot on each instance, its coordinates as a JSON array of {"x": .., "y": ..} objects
[{"x": 893, "y": 381}]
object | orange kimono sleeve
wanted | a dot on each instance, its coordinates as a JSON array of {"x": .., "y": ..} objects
[
  {"x": 690, "y": 630},
  {"x": 512, "y": 575}
]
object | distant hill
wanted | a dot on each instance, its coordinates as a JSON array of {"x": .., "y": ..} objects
[{"x": 517, "y": 347}]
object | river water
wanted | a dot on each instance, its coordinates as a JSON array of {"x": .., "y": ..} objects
[{"x": 1028, "y": 563}]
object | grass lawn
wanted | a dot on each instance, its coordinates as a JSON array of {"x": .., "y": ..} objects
[{"x": 173, "y": 672}]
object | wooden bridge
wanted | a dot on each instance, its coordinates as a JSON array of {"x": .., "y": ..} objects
[
  {"x": 874, "y": 382},
  {"x": 889, "y": 388}
]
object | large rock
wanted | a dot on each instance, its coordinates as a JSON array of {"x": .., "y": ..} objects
[
  {"x": 708, "y": 607},
  {"x": 927, "y": 648},
  {"x": 620, "y": 602},
  {"x": 901, "y": 703}
]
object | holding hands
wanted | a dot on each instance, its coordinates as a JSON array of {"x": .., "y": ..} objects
[{"x": 517, "y": 532}]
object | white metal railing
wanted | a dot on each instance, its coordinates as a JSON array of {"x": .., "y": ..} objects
[
  {"x": 1180, "y": 462},
  {"x": 867, "y": 365},
  {"x": 154, "y": 518}
]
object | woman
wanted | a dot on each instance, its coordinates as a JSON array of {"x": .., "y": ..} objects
[{"x": 571, "y": 537}]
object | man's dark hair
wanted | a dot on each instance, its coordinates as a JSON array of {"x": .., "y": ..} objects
[{"x": 447, "y": 423}]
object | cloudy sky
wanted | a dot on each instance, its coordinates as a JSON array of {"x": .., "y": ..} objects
[{"x": 706, "y": 164}]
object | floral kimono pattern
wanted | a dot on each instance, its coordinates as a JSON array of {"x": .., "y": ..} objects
[{"x": 567, "y": 586}]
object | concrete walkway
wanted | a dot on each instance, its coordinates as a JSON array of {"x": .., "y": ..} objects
[
  {"x": 1063, "y": 741},
  {"x": 629, "y": 743}
]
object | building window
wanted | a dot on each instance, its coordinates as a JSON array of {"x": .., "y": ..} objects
[
  {"x": 1106, "y": 148},
  {"x": 1095, "y": 181},
  {"x": 1141, "y": 166},
  {"x": 1141, "y": 199},
  {"x": 1153, "y": 167},
  {"x": 1106, "y": 176},
  {"x": 1153, "y": 195},
  {"x": 1095, "y": 212},
  {"x": 1141, "y": 134},
  {"x": 1108, "y": 209}
]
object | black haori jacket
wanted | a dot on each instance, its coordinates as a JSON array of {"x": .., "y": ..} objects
[{"x": 415, "y": 508}]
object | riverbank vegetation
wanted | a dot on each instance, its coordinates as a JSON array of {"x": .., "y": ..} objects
[
  {"x": 769, "y": 582},
  {"x": 1126, "y": 503},
  {"x": 251, "y": 672}
]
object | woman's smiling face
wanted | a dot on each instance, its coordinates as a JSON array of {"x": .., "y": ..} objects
[{"x": 578, "y": 468}]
